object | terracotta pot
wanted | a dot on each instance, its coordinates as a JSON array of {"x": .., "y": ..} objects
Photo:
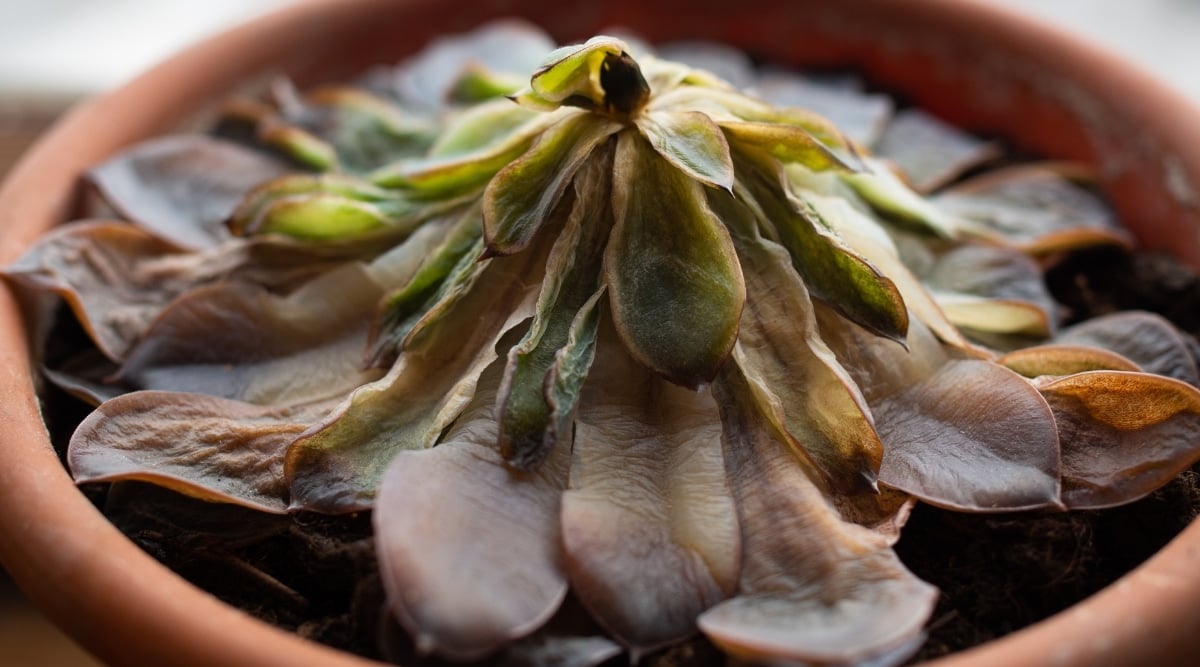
[{"x": 977, "y": 66}]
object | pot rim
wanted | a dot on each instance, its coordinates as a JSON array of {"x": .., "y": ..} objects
[{"x": 53, "y": 540}]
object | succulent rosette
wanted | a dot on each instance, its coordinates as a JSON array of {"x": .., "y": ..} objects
[{"x": 688, "y": 350}]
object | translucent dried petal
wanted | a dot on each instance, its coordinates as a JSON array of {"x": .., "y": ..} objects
[
  {"x": 649, "y": 529},
  {"x": 814, "y": 589},
  {"x": 258, "y": 347},
  {"x": 675, "y": 285},
  {"x": 1123, "y": 434},
  {"x": 1033, "y": 362},
  {"x": 1035, "y": 208}
]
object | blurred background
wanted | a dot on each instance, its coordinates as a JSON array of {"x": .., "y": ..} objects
[{"x": 56, "y": 52}]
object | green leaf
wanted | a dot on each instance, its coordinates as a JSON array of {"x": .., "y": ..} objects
[
  {"x": 366, "y": 131},
  {"x": 446, "y": 175},
  {"x": 892, "y": 198},
  {"x": 323, "y": 207},
  {"x": 518, "y": 201},
  {"x": 649, "y": 530},
  {"x": 675, "y": 285},
  {"x": 813, "y": 588},
  {"x": 724, "y": 105},
  {"x": 787, "y": 143},
  {"x": 478, "y": 127},
  {"x": 449, "y": 266},
  {"x": 794, "y": 376},
  {"x": 832, "y": 271},
  {"x": 478, "y": 84},
  {"x": 337, "y": 465},
  {"x": 691, "y": 141},
  {"x": 1123, "y": 434},
  {"x": 527, "y": 433},
  {"x": 302, "y": 146}
]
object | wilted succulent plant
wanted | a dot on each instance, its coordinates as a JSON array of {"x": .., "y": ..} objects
[{"x": 625, "y": 330}]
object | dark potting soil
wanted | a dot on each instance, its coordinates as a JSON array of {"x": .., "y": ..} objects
[{"x": 317, "y": 575}]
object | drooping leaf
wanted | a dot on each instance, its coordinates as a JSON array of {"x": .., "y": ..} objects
[
  {"x": 519, "y": 200},
  {"x": 675, "y": 286},
  {"x": 865, "y": 236},
  {"x": 691, "y": 141},
  {"x": 831, "y": 271},
  {"x": 1035, "y": 208},
  {"x": 336, "y": 465},
  {"x": 545, "y": 370},
  {"x": 793, "y": 375},
  {"x": 813, "y": 589},
  {"x": 649, "y": 529},
  {"x": 1123, "y": 434},
  {"x": 302, "y": 147},
  {"x": 443, "y": 519},
  {"x": 447, "y": 266},
  {"x": 115, "y": 277},
  {"x": 787, "y": 143},
  {"x": 1146, "y": 339},
  {"x": 219, "y": 450},
  {"x": 861, "y": 116},
  {"x": 931, "y": 152},
  {"x": 957, "y": 432},
  {"x": 258, "y": 347},
  {"x": 724, "y": 105},
  {"x": 892, "y": 198},
  {"x": 183, "y": 188},
  {"x": 1002, "y": 316}
]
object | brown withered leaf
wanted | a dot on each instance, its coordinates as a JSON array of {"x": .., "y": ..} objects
[
  {"x": 1123, "y": 434},
  {"x": 814, "y": 589},
  {"x": 217, "y": 449},
  {"x": 649, "y": 528},
  {"x": 1147, "y": 339},
  {"x": 444, "y": 518},
  {"x": 182, "y": 188}
]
